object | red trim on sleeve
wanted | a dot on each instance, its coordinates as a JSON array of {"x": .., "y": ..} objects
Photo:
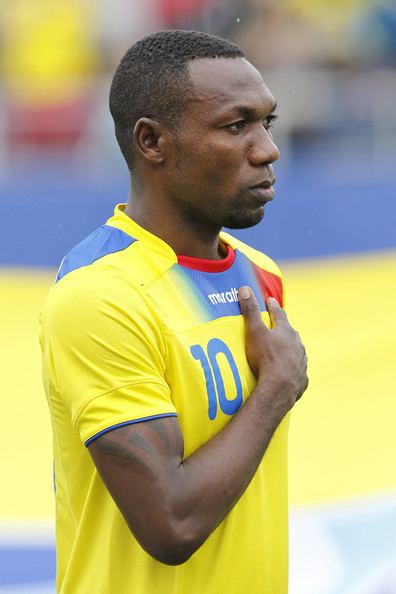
[
  {"x": 209, "y": 265},
  {"x": 269, "y": 283}
]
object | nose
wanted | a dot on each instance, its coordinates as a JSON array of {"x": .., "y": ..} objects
[{"x": 263, "y": 150}]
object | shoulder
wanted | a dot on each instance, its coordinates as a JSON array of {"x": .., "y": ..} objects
[
  {"x": 89, "y": 285},
  {"x": 109, "y": 247},
  {"x": 258, "y": 258},
  {"x": 96, "y": 298}
]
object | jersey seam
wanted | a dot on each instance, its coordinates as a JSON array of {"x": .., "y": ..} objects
[
  {"x": 135, "y": 383},
  {"x": 143, "y": 235},
  {"x": 142, "y": 289},
  {"x": 133, "y": 240},
  {"x": 129, "y": 421}
]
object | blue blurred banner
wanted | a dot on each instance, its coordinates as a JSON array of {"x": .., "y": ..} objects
[{"x": 45, "y": 211}]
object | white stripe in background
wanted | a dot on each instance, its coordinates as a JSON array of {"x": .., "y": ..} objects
[
  {"x": 344, "y": 548},
  {"x": 380, "y": 581},
  {"x": 27, "y": 533}
]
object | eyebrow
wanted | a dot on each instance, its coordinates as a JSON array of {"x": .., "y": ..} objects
[{"x": 250, "y": 113}]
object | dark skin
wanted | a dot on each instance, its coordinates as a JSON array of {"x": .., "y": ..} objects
[
  {"x": 190, "y": 183},
  {"x": 186, "y": 187}
]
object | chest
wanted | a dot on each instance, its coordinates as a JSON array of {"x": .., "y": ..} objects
[{"x": 204, "y": 337}]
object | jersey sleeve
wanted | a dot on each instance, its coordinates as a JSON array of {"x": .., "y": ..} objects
[{"x": 105, "y": 354}]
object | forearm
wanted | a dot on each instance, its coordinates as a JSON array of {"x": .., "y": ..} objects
[
  {"x": 208, "y": 483},
  {"x": 173, "y": 504}
]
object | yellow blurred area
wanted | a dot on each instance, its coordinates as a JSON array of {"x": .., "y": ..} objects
[
  {"x": 25, "y": 438},
  {"x": 331, "y": 13},
  {"x": 342, "y": 441},
  {"x": 47, "y": 49}
]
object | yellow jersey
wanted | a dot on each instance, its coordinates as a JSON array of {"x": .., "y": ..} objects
[{"x": 131, "y": 332}]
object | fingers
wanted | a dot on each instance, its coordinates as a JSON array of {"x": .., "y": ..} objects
[
  {"x": 249, "y": 305},
  {"x": 304, "y": 387},
  {"x": 277, "y": 314},
  {"x": 251, "y": 309}
]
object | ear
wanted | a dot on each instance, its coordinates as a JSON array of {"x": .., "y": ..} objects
[{"x": 149, "y": 138}]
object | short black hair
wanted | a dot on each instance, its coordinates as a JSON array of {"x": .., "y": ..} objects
[{"x": 152, "y": 79}]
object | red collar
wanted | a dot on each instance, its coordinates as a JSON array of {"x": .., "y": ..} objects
[{"x": 209, "y": 265}]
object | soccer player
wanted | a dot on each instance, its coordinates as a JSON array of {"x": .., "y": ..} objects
[{"x": 169, "y": 363}]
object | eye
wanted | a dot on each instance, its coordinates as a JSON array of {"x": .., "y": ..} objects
[
  {"x": 237, "y": 126},
  {"x": 269, "y": 121}
]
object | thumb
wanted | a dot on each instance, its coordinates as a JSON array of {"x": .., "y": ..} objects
[{"x": 248, "y": 303}]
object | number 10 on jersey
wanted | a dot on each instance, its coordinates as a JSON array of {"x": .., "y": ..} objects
[{"x": 214, "y": 381}]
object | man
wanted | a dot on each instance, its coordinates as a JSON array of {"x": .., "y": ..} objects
[{"x": 169, "y": 407}]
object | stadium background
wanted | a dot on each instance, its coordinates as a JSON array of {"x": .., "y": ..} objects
[{"x": 332, "y": 66}]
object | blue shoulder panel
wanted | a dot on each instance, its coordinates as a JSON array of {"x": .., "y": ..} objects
[{"x": 105, "y": 240}]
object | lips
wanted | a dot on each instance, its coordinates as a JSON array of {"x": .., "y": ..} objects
[
  {"x": 263, "y": 193},
  {"x": 264, "y": 190},
  {"x": 265, "y": 184}
]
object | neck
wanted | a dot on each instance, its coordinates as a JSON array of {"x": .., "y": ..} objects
[{"x": 185, "y": 235}]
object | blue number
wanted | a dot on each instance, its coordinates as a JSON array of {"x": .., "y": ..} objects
[
  {"x": 228, "y": 406},
  {"x": 213, "y": 375},
  {"x": 199, "y": 354}
]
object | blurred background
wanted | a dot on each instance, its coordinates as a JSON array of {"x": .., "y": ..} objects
[{"x": 332, "y": 67}]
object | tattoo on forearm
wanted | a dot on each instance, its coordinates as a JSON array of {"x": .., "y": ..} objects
[
  {"x": 169, "y": 433},
  {"x": 133, "y": 444},
  {"x": 116, "y": 446}
]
